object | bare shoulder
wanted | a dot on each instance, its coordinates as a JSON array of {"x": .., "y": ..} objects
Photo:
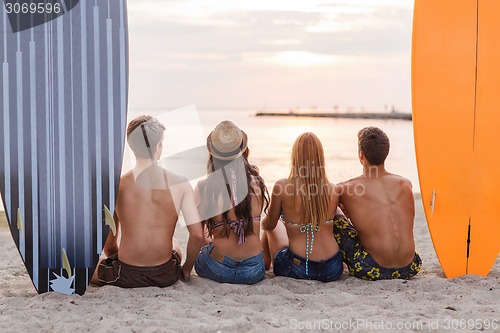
[
  {"x": 202, "y": 183},
  {"x": 127, "y": 175},
  {"x": 401, "y": 181},
  {"x": 281, "y": 182},
  {"x": 127, "y": 178},
  {"x": 175, "y": 179},
  {"x": 341, "y": 186},
  {"x": 200, "y": 187},
  {"x": 347, "y": 187},
  {"x": 280, "y": 186},
  {"x": 178, "y": 184},
  {"x": 352, "y": 181}
]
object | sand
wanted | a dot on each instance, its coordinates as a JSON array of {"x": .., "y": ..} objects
[{"x": 427, "y": 303}]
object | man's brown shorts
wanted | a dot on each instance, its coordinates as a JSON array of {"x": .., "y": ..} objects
[{"x": 114, "y": 272}]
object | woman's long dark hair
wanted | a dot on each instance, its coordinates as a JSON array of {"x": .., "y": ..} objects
[{"x": 219, "y": 194}]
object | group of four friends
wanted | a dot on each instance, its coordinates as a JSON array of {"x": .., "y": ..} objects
[{"x": 308, "y": 228}]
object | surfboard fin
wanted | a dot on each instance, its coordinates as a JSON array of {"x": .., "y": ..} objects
[
  {"x": 65, "y": 263},
  {"x": 110, "y": 221},
  {"x": 433, "y": 202},
  {"x": 20, "y": 222}
]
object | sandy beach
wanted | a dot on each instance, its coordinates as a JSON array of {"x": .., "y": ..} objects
[{"x": 427, "y": 303}]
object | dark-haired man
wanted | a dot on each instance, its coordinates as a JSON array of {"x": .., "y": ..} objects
[
  {"x": 150, "y": 199},
  {"x": 377, "y": 240}
]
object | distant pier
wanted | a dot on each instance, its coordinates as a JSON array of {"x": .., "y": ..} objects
[{"x": 342, "y": 115}]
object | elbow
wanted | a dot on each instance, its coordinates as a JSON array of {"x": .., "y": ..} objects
[
  {"x": 267, "y": 227},
  {"x": 197, "y": 238},
  {"x": 265, "y": 224},
  {"x": 110, "y": 250}
]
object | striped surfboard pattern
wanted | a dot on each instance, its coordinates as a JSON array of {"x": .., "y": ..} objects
[{"x": 63, "y": 100}]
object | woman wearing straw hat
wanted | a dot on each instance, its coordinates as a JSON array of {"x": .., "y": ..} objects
[
  {"x": 302, "y": 246},
  {"x": 230, "y": 202}
]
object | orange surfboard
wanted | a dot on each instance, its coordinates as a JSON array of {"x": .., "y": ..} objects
[{"x": 456, "y": 118}]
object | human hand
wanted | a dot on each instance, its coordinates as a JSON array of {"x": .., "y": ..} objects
[{"x": 185, "y": 274}]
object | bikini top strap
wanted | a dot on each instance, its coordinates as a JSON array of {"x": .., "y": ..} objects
[
  {"x": 238, "y": 227},
  {"x": 302, "y": 226}
]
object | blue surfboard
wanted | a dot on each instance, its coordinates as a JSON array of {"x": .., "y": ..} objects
[{"x": 63, "y": 100}]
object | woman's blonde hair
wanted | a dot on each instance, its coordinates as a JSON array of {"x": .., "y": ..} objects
[{"x": 308, "y": 176}]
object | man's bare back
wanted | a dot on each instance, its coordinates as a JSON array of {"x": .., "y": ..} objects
[
  {"x": 379, "y": 244},
  {"x": 381, "y": 208},
  {"x": 147, "y": 210}
]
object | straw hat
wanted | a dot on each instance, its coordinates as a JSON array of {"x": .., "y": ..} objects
[{"x": 227, "y": 142}]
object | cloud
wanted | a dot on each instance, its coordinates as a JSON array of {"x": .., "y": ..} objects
[
  {"x": 205, "y": 56},
  {"x": 276, "y": 32}
]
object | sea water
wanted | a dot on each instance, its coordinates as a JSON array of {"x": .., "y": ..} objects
[{"x": 270, "y": 140}]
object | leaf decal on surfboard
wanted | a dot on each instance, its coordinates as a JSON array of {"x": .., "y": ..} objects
[
  {"x": 110, "y": 221},
  {"x": 65, "y": 263},
  {"x": 62, "y": 284},
  {"x": 20, "y": 222}
]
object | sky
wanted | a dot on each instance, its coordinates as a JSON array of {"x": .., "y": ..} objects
[{"x": 268, "y": 54}]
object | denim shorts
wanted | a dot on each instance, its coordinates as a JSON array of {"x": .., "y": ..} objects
[
  {"x": 228, "y": 270},
  {"x": 286, "y": 263}
]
